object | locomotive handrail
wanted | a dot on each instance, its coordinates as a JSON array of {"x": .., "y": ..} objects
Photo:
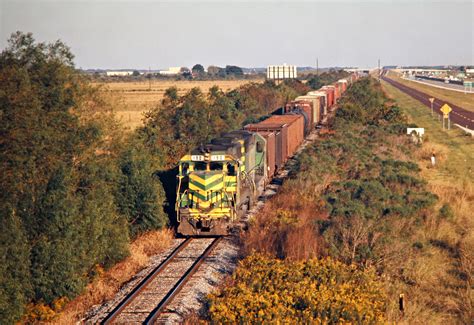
[
  {"x": 178, "y": 199},
  {"x": 178, "y": 204},
  {"x": 250, "y": 182}
]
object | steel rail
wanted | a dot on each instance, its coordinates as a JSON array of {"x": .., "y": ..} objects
[
  {"x": 155, "y": 313},
  {"x": 143, "y": 284}
]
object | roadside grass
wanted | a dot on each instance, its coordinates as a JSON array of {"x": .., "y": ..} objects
[
  {"x": 465, "y": 101},
  {"x": 443, "y": 271}
]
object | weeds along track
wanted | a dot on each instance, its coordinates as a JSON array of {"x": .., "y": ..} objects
[{"x": 148, "y": 300}]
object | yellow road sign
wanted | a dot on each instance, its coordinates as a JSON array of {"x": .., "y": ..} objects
[
  {"x": 446, "y": 109},
  {"x": 431, "y": 100}
]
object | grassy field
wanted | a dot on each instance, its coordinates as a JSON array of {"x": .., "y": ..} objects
[
  {"x": 132, "y": 99},
  {"x": 445, "y": 269},
  {"x": 465, "y": 101}
]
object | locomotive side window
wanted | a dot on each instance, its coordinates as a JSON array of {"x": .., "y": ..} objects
[
  {"x": 259, "y": 146},
  {"x": 230, "y": 170},
  {"x": 184, "y": 169}
]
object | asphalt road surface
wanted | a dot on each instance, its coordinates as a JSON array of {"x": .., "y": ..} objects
[
  {"x": 458, "y": 115},
  {"x": 443, "y": 84}
]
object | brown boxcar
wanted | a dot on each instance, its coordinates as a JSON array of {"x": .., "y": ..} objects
[
  {"x": 295, "y": 127},
  {"x": 337, "y": 92},
  {"x": 343, "y": 83},
  {"x": 270, "y": 137},
  {"x": 281, "y": 139},
  {"x": 330, "y": 95}
]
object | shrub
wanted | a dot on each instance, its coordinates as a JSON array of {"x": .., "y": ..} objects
[
  {"x": 267, "y": 290},
  {"x": 446, "y": 212}
]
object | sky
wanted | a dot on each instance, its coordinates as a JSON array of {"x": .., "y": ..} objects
[{"x": 159, "y": 34}]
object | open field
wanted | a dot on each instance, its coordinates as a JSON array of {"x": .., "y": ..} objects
[
  {"x": 465, "y": 101},
  {"x": 135, "y": 98}
]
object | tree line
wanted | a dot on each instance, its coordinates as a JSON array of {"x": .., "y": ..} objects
[
  {"x": 316, "y": 81},
  {"x": 73, "y": 189}
]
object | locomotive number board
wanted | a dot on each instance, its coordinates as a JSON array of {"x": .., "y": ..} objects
[{"x": 213, "y": 158}]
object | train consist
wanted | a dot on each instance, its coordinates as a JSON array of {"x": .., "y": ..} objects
[{"x": 218, "y": 182}]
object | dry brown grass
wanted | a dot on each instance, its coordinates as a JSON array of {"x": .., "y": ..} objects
[
  {"x": 441, "y": 273},
  {"x": 287, "y": 225},
  {"x": 135, "y": 98},
  {"x": 107, "y": 284}
]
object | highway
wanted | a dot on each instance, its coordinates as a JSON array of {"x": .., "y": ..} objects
[
  {"x": 459, "y": 115},
  {"x": 441, "y": 84}
]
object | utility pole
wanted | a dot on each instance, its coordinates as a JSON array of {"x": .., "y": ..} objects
[
  {"x": 149, "y": 78},
  {"x": 379, "y": 70}
]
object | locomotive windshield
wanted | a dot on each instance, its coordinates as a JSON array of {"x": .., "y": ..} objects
[
  {"x": 216, "y": 166},
  {"x": 200, "y": 166}
]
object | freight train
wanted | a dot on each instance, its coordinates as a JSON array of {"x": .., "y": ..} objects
[{"x": 219, "y": 182}]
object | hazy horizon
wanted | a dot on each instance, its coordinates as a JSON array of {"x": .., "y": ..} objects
[{"x": 157, "y": 34}]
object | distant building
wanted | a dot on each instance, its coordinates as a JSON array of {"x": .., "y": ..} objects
[
  {"x": 279, "y": 72},
  {"x": 470, "y": 71},
  {"x": 171, "y": 71},
  {"x": 118, "y": 73}
]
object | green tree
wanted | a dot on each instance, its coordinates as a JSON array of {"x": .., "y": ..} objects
[
  {"x": 58, "y": 174},
  {"x": 15, "y": 279},
  {"x": 315, "y": 82},
  {"x": 101, "y": 222},
  {"x": 233, "y": 70},
  {"x": 140, "y": 195},
  {"x": 198, "y": 69},
  {"x": 177, "y": 125},
  {"x": 57, "y": 248}
]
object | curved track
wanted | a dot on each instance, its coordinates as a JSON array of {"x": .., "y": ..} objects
[
  {"x": 149, "y": 299},
  {"x": 459, "y": 115}
]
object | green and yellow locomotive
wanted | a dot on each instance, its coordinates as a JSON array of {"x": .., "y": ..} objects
[{"x": 218, "y": 182}]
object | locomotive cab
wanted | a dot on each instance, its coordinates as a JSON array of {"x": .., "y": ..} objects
[{"x": 216, "y": 184}]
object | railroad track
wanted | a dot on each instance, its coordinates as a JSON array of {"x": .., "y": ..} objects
[{"x": 147, "y": 301}]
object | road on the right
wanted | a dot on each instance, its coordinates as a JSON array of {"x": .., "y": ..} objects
[{"x": 458, "y": 115}]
